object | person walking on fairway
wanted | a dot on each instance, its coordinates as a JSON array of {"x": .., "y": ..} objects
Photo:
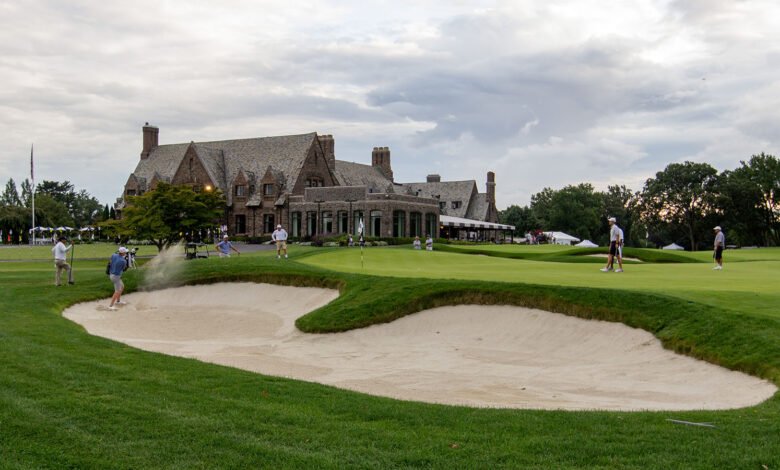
[
  {"x": 619, "y": 254},
  {"x": 225, "y": 246},
  {"x": 280, "y": 237},
  {"x": 613, "y": 239},
  {"x": 60, "y": 256},
  {"x": 117, "y": 266},
  {"x": 720, "y": 244}
]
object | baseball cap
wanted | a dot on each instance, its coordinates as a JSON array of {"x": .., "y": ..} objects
[
  {"x": 611, "y": 219},
  {"x": 225, "y": 236},
  {"x": 122, "y": 249},
  {"x": 717, "y": 227}
]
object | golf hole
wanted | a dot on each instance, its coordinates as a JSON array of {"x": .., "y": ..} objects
[{"x": 484, "y": 356}]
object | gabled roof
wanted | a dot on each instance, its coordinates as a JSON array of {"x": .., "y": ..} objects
[
  {"x": 286, "y": 154},
  {"x": 478, "y": 209},
  {"x": 447, "y": 191},
  {"x": 357, "y": 174}
]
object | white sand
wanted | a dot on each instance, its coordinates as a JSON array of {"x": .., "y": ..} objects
[{"x": 471, "y": 355}]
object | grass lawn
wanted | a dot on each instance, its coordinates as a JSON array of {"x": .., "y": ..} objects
[
  {"x": 743, "y": 287},
  {"x": 70, "y": 400}
]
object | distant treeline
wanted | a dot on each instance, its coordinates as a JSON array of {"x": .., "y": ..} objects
[
  {"x": 56, "y": 204},
  {"x": 680, "y": 204}
]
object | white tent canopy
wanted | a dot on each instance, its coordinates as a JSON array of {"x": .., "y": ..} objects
[
  {"x": 673, "y": 246},
  {"x": 587, "y": 244},
  {"x": 560, "y": 238}
]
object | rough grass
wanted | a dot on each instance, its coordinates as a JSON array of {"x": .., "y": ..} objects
[{"x": 70, "y": 400}]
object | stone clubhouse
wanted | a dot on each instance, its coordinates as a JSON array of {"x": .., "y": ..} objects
[{"x": 296, "y": 181}]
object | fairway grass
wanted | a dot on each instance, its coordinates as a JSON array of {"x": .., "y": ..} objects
[
  {"x": 71, "y": 400},
  {"x": 744, "y": 287}
]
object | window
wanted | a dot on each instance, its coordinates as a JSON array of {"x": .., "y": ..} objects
[
  {"x": 399, "y": 223},
  {"x": 442, "y": 205},
  {"x": 240, "y": 224},
  {"x": 268, "y": 190},
  {"x": 296, "y": 224},
  {"x": 343, "y": 220},
  {"x": 357, "y": 221},
  {"x": 456, "y": 204},
  {"x": 431, "y": 225},
  {"x": 268, "y": 223},
  {"x": 376, "y": 224},
  {"x": 251, "y": 189},
  {"x": 131, "y": 192},
  {"x": 196, "y": 188},
  {"x": 327, "y": 222},
  {"x": 240, "y": 190},
  {"x": 314, "y": 183},
  {"x": 415, "y": 224},
  {"x": 311, "y": 224}
]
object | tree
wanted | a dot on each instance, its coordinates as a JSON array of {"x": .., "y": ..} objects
[
  {"x": 576, "y": 210},
  {"x": 106, "y": 213},
  {"x": 50, "y": 212},
  {"x": 62, "y": 192},
  {"x": 85, "y": 209},
  {"x": 758, "y": 182},
  {"x": 26, "y": 188},
  {"x": 10, "y": 196},
  {"x": 623, "y": 204},
  {"x": 682, "y": 195},
  {"x": 521, "y": 217},
  {"x": 162, "y": 215},
  {"x": 541, "y": 205}
]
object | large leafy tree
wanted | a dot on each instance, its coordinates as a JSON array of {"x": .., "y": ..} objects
[
  {"x": 62, "y": 192},
  {"x": 681, "y": 195},
  {"x": 521, "y": 217},
  {"x": 576, "y": 210},
  {"x": 757, "y": 183},
  {"x": 623, "y": 204},
  {"x": 85, "y": 209},
  {"x": 162, "y": 215}
]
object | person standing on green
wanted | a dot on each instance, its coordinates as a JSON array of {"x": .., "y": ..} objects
[
  {"x": 60, "y": 256},
  {"x": 720, "y": 244}
]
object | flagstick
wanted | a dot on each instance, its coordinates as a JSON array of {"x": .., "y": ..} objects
[{"x": 32, "y": 177}]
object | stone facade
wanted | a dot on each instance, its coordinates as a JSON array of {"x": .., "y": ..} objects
[{"x": 297, "y": 182}]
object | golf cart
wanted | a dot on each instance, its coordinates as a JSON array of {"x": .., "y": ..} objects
[{"x": 194, "y": 250}]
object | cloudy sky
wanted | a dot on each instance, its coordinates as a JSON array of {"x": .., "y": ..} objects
[{"x": 543, "y": 92}]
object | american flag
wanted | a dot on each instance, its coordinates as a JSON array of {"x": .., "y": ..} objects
[{"x": 32, "y": 167}]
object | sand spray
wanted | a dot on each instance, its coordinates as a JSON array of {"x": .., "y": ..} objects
[{"x": 164, "y": 268}]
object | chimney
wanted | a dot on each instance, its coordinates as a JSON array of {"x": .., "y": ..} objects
[
  {"x": 491, "y": 187},
  {"x": 433, "y": 179},
  {"x": 380, "y": 158},
  {"x": 329, "y": 148},
  {"x": 150, "y": 140}
]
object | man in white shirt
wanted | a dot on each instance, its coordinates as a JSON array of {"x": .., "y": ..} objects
[
  {"x": 720, "y": 244},
  {"x": 614, "y": 237},
  {"x": 60, "y": 255},
  {"x": 280, "y": 237}
]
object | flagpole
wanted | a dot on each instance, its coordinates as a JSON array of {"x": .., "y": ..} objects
[{"x": 32, "y": 191}]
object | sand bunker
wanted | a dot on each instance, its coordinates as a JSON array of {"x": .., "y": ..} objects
[{"x": 468, "y": 355}]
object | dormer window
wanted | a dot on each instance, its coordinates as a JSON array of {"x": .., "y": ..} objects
[
  {"x": 456, "y": 204},
  {"x": 442, "y": 205},
  {"x": 268, "y": 190},
  {"x": 314, "y": 183},
  {"x": 130, "y": 192},
  {"x": 240, "y": 190}
]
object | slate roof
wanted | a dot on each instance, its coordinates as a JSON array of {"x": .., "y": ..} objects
[
  {"x": 357, "y": 174},
  {"x": 447, "y": 191},
  {"x": 478, "y": 209},
  {"x": 224, "y": 159}
]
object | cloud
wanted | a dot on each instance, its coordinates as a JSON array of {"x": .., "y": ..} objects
[{"x": 544, "y": 93}]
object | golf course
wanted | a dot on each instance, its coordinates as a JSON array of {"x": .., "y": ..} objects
[{"x": 71, "y": 399}]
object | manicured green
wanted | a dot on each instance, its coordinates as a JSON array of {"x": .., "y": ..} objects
[{"x": 71, "y": 400}]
